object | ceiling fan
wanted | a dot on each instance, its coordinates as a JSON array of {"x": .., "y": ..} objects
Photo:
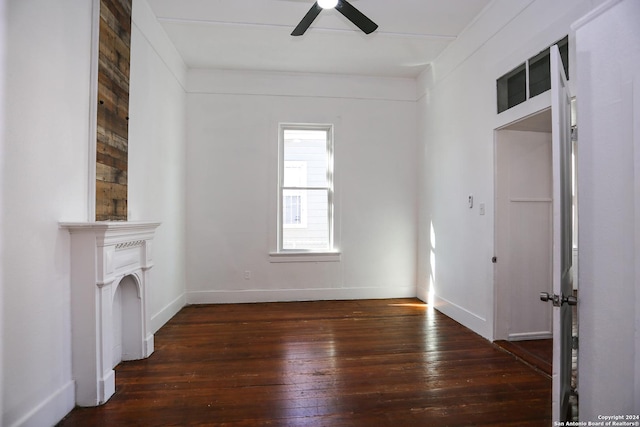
[{"x": 342, "y": 6}]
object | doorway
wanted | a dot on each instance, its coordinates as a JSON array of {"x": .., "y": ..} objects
[
  {"x": 523, "y": 252},
  {"x": 524, "y": 228},
  {"x": 523, "y": 231}
]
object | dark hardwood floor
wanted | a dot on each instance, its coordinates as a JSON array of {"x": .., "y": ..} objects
[
  {"x": 537, "y": 353},
  {"x": 332, "y": 363}
]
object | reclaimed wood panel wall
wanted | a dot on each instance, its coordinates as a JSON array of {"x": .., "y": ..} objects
[{"x": 113, "y": 110}]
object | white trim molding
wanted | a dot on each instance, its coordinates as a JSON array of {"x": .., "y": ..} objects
[
  {"x": 284, "y": 295},
  {"x": 304, "y": 256},
  {"x": 92, "y": 140}
]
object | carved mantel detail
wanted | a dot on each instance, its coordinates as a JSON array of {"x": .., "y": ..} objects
[{"x": 128, "y": 245}]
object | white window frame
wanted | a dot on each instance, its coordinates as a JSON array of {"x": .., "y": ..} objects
[{"x": 306, "y": 255}]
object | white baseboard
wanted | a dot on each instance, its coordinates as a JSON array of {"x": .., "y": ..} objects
[
  {"x": 167, "y": 312},
  {"x": 542, "y": 335},
  {"x": 466, "y": 318},
  {"x": 282, "y": 295},
  {"x": 51, "y": 410},
  {"x": 106, "y": 388},
  {"x": 149, "y": 346},
  {"x": 422, "y": 293}
]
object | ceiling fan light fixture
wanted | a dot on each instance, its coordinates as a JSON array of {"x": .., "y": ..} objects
[
  {"x": 327, "y": 4},
  {"x": 344, "y": 7}
]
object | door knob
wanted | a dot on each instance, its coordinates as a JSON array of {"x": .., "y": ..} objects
[
  {"x": 546, "y": 296},
  {"x": 557, "y": 300}
]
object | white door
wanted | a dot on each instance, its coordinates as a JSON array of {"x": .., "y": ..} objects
[
  {"x": 524, "y": 228},
  {"x": 562, "y": 239}
]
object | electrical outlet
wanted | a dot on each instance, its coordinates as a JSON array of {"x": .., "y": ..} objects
[{"x": 247, "y": 274}]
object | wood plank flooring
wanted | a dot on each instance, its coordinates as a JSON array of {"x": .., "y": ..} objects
[
  {"x": 537, "y": 353},
  {"x": 331, "y": 363}
]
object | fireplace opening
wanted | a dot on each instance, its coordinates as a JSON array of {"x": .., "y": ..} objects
[{"x": 128, "y": 336}]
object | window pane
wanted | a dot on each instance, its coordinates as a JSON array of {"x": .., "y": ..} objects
[
  {"x": 292, "y": 212},
  {"x": 305, "y": 158},
  {"x": 314, "y": 235},
  {"x": 512, "y": 88},
  {"x": 294, "y": 209},
  {"x": 540, "y": 73}
]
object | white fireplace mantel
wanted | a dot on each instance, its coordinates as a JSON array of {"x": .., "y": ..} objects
[{"x": 102, "y": 254}]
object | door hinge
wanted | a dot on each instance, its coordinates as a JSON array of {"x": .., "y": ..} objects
[
  {"x": 574, "y": 133},
  {"x": 574, "y": 342},
  {"x": 494, "y": 259}
]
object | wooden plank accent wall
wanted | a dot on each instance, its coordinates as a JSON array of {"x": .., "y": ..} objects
[{"x": 113, "y": 110}]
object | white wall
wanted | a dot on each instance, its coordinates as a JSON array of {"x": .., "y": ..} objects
[
  {"x": 232, "y": 156},
  {"x": 157, "y": 155},
  {"x": 608, "y": 101},
  {"x": 44, "y": 181},
  {"x": 457, "y": 122},
  {"x": 3, "y": 23}
]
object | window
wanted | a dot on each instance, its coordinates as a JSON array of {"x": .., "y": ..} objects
[
  {"x": 305, "y": 188},
  {"x": 534, "y": 74}
]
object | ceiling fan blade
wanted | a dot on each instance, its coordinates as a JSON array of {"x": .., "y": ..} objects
[
  {"x": 307, "y": 20},
  {"x": 357, "y": 17}
]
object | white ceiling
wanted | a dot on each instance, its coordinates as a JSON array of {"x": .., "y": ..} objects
[{"x": 255, "y": 34}]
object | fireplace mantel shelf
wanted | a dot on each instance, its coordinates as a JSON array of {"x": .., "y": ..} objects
[
  {"x": 113, "y": 227},
  {"x": 122, "y": 225}
]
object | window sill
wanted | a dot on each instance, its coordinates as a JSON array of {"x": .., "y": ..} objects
[{"x": 304, "y": 256}]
